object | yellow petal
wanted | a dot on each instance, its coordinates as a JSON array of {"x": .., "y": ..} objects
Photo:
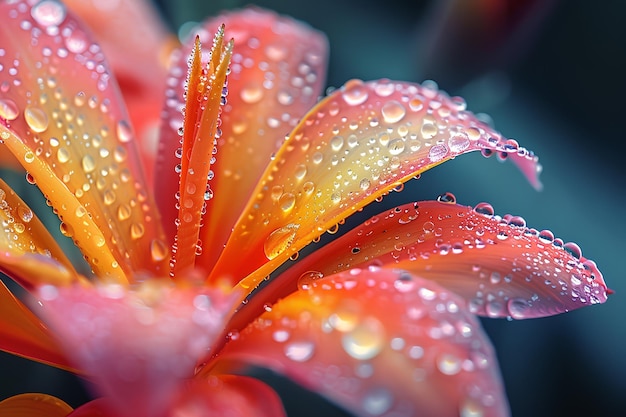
[
  {"x": 67, "y": 112},
  {"x": 27, "y": 249},
  {"x": 358, "y": 144}
]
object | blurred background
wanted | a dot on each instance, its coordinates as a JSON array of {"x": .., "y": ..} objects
[{"x": 551, "y": 75}]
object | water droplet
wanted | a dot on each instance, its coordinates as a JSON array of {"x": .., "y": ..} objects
[
  {"x": 286, "y": 202},
  {"x": 48, "y": 13},
  {"x": 251, "y": 93},
  {"x": 158, "y": 250},
  {"x": 124, "y": 131},
  {"x": 396, "y": 146},
  {"x": 437, "y": 153},
  {"x": 447, "y": 198},
  {"x": 404, "y": 283},
  {"x": 63, "y": 155},
  {"x": 136, "y": 230},
  {"x": 365, "y": 341},
  {"x": 393, "y": 111},
  {"x": 88, "y": 164},
  {"x": 305, "y": 281},
  {"x": 448, "y": 364},
  {"x": 471, "y": 408},
  {"x": 336, "y": 143},
  {"x": 377, "y": 401},
  {"x": 279, "y": 240},
  {"x": 29, "y": 157},
  {"x": 66, "y": 229},
  {"x": 573, "y": 249},
  {"x": 123, "y": 212},
  {"x": 546, "y": 236},
  {"x": 429, "y": 130},
  {"x": 300, "y": 351},
  {"x": 364, "y": 184},
  {"x": 355, "y": 92},
  {"x": 517, "y": 308},
  {"x": 458, "y": 142},
  {"x": 485, "y": 209},
  {"x": 8, "y": 109},
  {"x": 25, "y": 214},
  {"x": 36, "y": 118}
]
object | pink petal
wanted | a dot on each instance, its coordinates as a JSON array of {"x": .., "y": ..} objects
[
  {"x": 501, "y": 267},
  {"x": 378, "y": 342},
  {"x": 360, "y": 143},
  {"x": 277, "y": 74},
  {"x": 62, "y": 116},
  {"x": 137, "y": 345}
]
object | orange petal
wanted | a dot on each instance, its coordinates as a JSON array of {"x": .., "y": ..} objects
[
  {"x": 277, "y": 74},
  {"x": 136, "y": 44},
  {"x": 74, "y": 136},
  {"x": 34, "y": 405},
  {"x": 137, "y": 345},
  {"x": 23, "y": 334},
  {"x": 378, "y": 342},
  {"x": 355, "y": 146},
  {"x": 501, "y": 267},
  {"x": 29, "y": 254}
]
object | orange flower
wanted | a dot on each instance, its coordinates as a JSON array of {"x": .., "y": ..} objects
[{"x": 381, "y": 321}]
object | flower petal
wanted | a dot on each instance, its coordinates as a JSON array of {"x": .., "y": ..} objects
[
  {"x": 74, "y": 138},
  {"x": 277, "y": 73},
  {"x": 380, "y": 343},
  {"x": 228, "y": 395},
  {"x": 23, "y": 334},
  {"x": 136, "y": 44},
  {"x": 28, "y": 253},
  {"x": 501, "y": 267},
  {"x": 355, "y": 146},
  {"x": 138, "y": 344},
  {"x": 34, "y": 405}
]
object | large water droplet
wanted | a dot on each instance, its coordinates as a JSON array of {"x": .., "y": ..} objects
[
  {"x": 365, "y": 341},
  {"x": 393, "y": 111},
  {"x": 279, "y": 240},
  {"x": 355, "y": 92},
  {"x": 437, "y": 153},
  {"x": 8, "y": 109},
  {"x": 88, "y": 164},
  {"x": 36, "y": 118},
  {"x": 458, "y": 142},
  {"x": 305, "y": 281},
  {"x": 286, "y": 202},
  {"x": 518, "y": 308},
  {"x": 48, "y": 13},
  {"x": 124, "y": 131},
  {"x": 158, "y": 250}
]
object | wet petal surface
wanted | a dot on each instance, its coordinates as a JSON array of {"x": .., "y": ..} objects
[
  {"x": 379, "y": 343},
  {"x": 138, "y": 345},
  {"x": 500, "y": 266},
  {"x": 28, "y": 252},
  {"x": 277, "y": 74},
  {"x": 355, "y": 146},
  {"x": 63, "y": 119}
]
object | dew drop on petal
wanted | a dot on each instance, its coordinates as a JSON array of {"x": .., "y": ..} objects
[
  {"x": 447, "y": 198},
  {"x": 36, "y": 118},
  {"x": 300, "y": 351},
  {"x": 88, "y": 164},
  {"x": 355, "y": 93},
  {"x": 377, "y": 401},
  {"x": 471, "y": 408},
  {"x": 158, "y": 250},
  {"x": 517, "y": 308},
  {"x": 124, "y": 131},
  {"x": 448, "y": 364},
  {"x": 49, "y": 13},
  {"x": 458, "y": 142},
  {"x": 305, "y": 281},
  {"x": 437, "y": 153},
  {"x": 279, "y": 240},
  {"x": 251, "y": 93},
  {"x": 365, "y": 341},
  {"x": 8, "y": 109},
  {"x": 393, "y": 111}
]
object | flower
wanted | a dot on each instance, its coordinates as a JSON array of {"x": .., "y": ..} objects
[{"x": 380, "y": 321}]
